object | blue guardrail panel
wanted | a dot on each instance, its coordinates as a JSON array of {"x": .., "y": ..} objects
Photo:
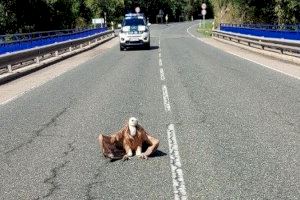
[
  {"x": 9, "y": 47},
  {"x": 262, "y": 32}
]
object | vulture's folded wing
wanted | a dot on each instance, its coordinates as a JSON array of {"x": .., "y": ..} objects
[{"x": 111, "y": 147}]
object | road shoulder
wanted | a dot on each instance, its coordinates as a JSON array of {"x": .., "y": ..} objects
[
  {"x": 22, "y": 85},
  {"x": 270, "y": 60}
]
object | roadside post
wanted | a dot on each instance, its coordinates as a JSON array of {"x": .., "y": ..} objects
[
  {"x": 112, "y": 26},
  {"x": 137, "y": 10},
  {"x": 160, "y": 16},
  {"x": 203, "y": 12}
]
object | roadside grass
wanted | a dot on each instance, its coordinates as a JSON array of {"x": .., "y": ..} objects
[{"x": 205, "y": 28}]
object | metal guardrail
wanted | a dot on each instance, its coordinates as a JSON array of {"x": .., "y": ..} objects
[
  {"x": 7, "y": 61},
  {"x": 10, "y": 38},
  {"x": 278, "y": 44},
  {"x": 275, "y": 27},
  {"x": 289, "y": 32},
  {"x": 26, "y": 41}
]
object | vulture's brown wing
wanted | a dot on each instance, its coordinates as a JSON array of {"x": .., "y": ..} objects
[{"x": 113, "y": 150}]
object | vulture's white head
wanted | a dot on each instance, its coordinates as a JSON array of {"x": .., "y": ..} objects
[
  {"x": 132, "y": 125},
  {"x": 133, "y": 121}
]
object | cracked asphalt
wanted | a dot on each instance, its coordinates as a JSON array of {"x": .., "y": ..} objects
[{"x": 237, "y": 127}]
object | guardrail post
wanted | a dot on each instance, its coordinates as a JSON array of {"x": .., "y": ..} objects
[
  {"x": 9, "y": 68},
  {"x": 81, "y": 46},
  {"x": 56, "y": 53},
  {"x": 70, "y": 49},
  {"x": 37, "y": 60}
]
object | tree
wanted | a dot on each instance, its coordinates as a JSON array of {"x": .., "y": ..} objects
[
  {"x": 257, "y": 11},
  {"x": 287, "y": 11},
  {"x": 39, "y": 15},
  {"x": 8, "y": 17}
]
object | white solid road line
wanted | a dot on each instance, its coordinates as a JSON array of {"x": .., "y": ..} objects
[
  {"x": 277, "y": 70},
  {"x": 26, "y": 91},
  {"x": 188, "y": 31},
  {"x": 11, "y": 99},
  {"x": 253, "y": 61},
  {"x": 51, "y": 74}
]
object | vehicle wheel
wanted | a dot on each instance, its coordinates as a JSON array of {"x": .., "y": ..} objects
[{"x": 121, "y": 48}]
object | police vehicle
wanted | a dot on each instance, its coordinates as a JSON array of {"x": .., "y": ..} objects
[{"x": 134, "y": 32}]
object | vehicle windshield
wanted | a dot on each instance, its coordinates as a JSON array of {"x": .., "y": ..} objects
[{"x": 133, "y": 22}]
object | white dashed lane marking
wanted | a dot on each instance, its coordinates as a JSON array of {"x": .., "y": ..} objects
[
  {"x": 176, "y": 169},
  {"x": 177, "y": 174},
  {"x": 166, "y": 99},
  {"x": 162, "y": 74},
  {"x": 160, "y": 62}
]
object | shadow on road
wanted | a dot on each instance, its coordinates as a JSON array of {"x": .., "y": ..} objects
[
  {"x": 158, "y": 153},
  {"x": 141, "y": 48}
]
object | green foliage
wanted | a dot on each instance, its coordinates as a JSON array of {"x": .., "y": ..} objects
[
  {"x": 287, "y": 11},
  {"x": 41, "y": 15},
  {"x": 257, "y": 11},
  {"x": 205, "y": 28},
  {"x": 7, "y": 16}
]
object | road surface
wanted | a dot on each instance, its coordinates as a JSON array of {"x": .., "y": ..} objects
[{"x": 228, "y": 128}]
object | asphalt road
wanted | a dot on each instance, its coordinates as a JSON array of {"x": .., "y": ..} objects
[{"x": 237, "y": 127}]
